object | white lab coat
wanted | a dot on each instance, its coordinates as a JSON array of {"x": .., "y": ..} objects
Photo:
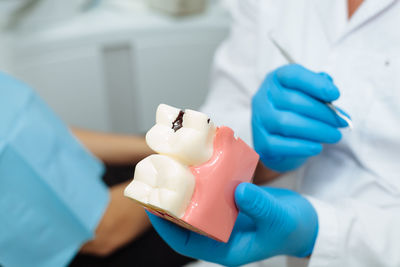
[{"x": 353, "y": 185}]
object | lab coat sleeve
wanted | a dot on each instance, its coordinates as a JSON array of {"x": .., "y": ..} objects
[
  {"x": 355, "y": 233},
  {"x": 51, "y": 193},
  {"x": 234, "y": 78}
]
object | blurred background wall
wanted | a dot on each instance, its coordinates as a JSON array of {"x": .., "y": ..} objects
[{"x": 106, "y": 65}]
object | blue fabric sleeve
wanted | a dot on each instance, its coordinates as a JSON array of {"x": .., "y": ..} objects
[{"x": 51, "y": 193}]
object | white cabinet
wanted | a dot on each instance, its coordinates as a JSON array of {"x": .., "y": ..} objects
[{"x": 109, "y": 69}]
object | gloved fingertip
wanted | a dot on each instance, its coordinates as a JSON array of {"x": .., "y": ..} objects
[
  {"x": 332, "y": 93},
  {"x": 326, "y": 75},
  {"x": 240, "y": 191},
  {"x": 342, "y": 123},
  {"x": 315, "y": 149},
  {"x": 255, "y": 202},
  {"x": 244, "y": 193},
  {"x": 335, "y": 137},
  {"x": 250, "y": 199}
]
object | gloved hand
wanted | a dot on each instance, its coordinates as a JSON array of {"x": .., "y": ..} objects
[
  {"x": 290, "y": 119},
  {"x": 271, "y": 222}
]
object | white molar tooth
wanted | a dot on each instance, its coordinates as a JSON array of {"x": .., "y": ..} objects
[
  {"x": 192, "y": 144},
  {"x": 170, "y": 170},
  {"x": 160, "y": 137},
  {"x": 196, "y": 138},
  {"x": 167, "y": 199},
  {"x": 193, "y": 147},
  {"x": 168, "y": 185},
  {"x": 145, "y": 180},
  {"x": 154, "y": 198},
  {"x": 196, "y": 120},
  {"x": 166, "y": 115},
  {"x": 146, "y": 172},
  {"x": 139, "y": 191}
]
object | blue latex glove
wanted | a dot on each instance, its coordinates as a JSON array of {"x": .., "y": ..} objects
[
  {"x": 51, "y": 193},
  {"x": 290, "y": 119},
  {"x": 271, "y": 222}
]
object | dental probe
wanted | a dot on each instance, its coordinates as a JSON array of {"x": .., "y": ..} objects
[{"x": 290, "y": 59}]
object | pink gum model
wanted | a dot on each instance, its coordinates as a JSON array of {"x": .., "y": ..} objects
[{"x": 212, "y": 210}]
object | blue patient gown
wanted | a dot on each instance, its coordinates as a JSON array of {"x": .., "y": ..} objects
[{"x": 51, "y": 193}]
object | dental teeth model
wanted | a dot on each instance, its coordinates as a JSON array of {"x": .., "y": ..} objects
[{"x": 192, "y": 180}]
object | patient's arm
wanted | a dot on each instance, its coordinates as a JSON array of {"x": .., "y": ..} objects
[
  {"x": 122, "y": 222},
  {"x": 114, "y": 149}
]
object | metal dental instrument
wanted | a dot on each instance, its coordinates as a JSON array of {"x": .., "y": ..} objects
[{"x": 290, "y": 59}]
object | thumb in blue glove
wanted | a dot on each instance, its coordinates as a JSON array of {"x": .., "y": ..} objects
[{"x": 271, "y": 222}]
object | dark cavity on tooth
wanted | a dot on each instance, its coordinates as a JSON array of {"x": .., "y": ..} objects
[
  {"x": 177, "y": 124},
  {"x": 208, "y": 121}
]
